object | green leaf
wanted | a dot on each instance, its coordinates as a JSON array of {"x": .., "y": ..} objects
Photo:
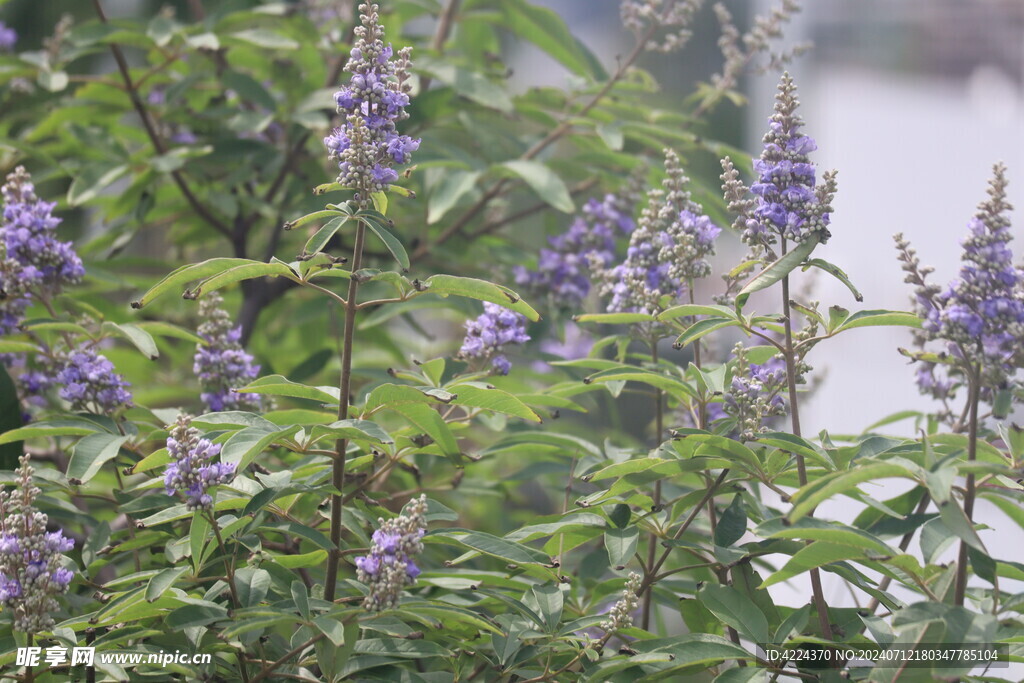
[
  {"x": 774, "y": 272},
  {"x": 265, "y": 38},
  {"x": 360, "y": 430},
  {"x": 490, "y": 398},
  {"x": 956, "y": 520},
  {"x": 198, "y": 536},
  {"x": 687, "y": 310},
  {"x": 736, "y": 610},
  {"x": 92, "y": 180},
  {"x": 430, "y": 422},
  {"x": 820, "y": 490},
  {"x": 546, "y": 29},
  {"x": 733, "y": 523},
  {"x": 797, "y": 446},
  {"x": 481, "y": 290},
  {"x": 470, "y": 84},
  {"x": 330, "y": 627},
  {"x": 491, "y": 545},
  {"x": 879, "y": 318},
  {"x": 544, "y": 182},
  {"x": 162, "y": 329},
  {"x": 621, "y": 544},
  {"x": 248, "y": 271},
  {"x": 248, "y": 88},
  {"x": 252, "y": 584},
  {"x": 62, "y": 427},
  {"x": 90, "y": 453},
  {"x": 318, "y": 241},
  {"x": 303, "y": 561},
  {"x": 141, "y": 339},
  {"x": 14, "y": 346},
  {"x": 276, "y": 385},
  {"x": 549, "y": 600},
  {"x": 163, "y": 580},
  {"x": 195, "y": 615},
  {"x": 614, "y": 318},
  {"x": 454, "y": 185},
  {"x": 195, "y": 271},
  {"x": 836, "y": 272},
  {"x": 377, "y": 223},
  {"x": 701, "y": 328}
]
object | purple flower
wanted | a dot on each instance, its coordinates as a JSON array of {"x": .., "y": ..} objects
[
  {"x": 372, "y": 104},
  {"x": 192, "y": 473},
  {"x": 31, "y": 575},
  {"x": 788, "y": 205},
  {"x": 88, "y": 381},
  {"x": 487, "y": 334},
  {"x": 755, "y": 393},
  {"x": 389, "y": 566},
  {"x": 563, "y": 270},
  {"x": 981, "y": 313},
  {"x": 8, "y": 37},
  {"x": 222, "y": 365}
]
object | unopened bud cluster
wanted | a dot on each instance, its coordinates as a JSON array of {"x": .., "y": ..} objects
[
  {"x": 755, "y": 393},
  {"x": 31, "y": 571},
  {"x": 192, "y": 474},
  {"x": 389, "y": 567},
  {"x": 620, "y": 616},
  {"x": 665, "y": 23}
]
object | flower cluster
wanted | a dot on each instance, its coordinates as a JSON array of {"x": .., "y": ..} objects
[
  {"x": 787, "y": 203},
  {"x": 389, "y": 567},
  {"x": 374, "y": 101},
  {"x": 32, "y": 260},
  {"x": 222, "y": 365},
  {"x": 8, "y": 37},
  {"x": 667, "y": 250},
  {"x": 192, "y": 474},
  {"x": 563, "y": 270},
  {"x": 755, "y": 393},
  {"x": 88, "y": 381},
  {"x": 981, "y": 313},
  {"x": 31, "y": 574},
  {"x": 487, "y": 334},
  {"x": 672, "y": 18},
  {"x": 620, "y": 616}
]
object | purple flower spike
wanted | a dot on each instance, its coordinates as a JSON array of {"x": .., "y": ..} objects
[
  {"x": 488, "y": 334},
  {"x": 192, "y": 473},
  {"x": 389, "y": 567},
  {"x": 222, "y": 365}
]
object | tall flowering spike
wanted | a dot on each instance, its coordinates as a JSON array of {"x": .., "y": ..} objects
[
  {"x": 192, "y": 474},
  {"x": 667, "y": 250},
  {"x": 982, "y": 312},
  {"x": 31, "y": 571},
  {"x": 222, "y": 365},
  {"x": 89, "y": 382},
  {"x": 32, "y": 261},
  {"x": 368, "y": 144},
  {"x": 620, "y": 616},
  {"x": 390, "y": 566},
  {"x": 563, "y": 271},
  {"x": 488, "y": 334},
  {"x": 788, "y": 203}
]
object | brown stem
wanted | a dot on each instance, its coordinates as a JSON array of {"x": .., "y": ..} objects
[
  {"x": 158, "y": 144},
  {"x": 341, "y": 446},
  {"x": 229, "y": 569},
  {"x": 974, "y": 395},
  {"x": 794, "y": 411},
  {"x": 266, "y": 671},
  {"x": 652, "y": 548}
]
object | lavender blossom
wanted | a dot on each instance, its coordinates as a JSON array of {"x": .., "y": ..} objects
[
  {"x": 32, "y": 260},
  {"x": 88, "y": 381},
  {"x": 8, "y": 37},
  {"x": 368, "y": 143},
  {"x": 31, "y": 575},
  {"x": 222, "y": 365},
  {"x": 563, "y": 270},
  {"x": 755, "y": 393},
  {"x": 667, "y": 250},
  {"x": 787, "y": 204},
  {"x": 487, "y": 334},
  {"x": 980, "y": 314},
  {"x": 192, "y": 474},
  {"x": 390, "y": 567}
]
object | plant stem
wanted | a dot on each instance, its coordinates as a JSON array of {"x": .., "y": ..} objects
[
  {"x": 801, "y": 466},
  {"x": 265, "y": 671},
  {"x": 229, "y": 569},
  {"x": 973, "y": 398},
  {"x": 341, "y": 446},
  {"x": 652, "y": 548}
]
